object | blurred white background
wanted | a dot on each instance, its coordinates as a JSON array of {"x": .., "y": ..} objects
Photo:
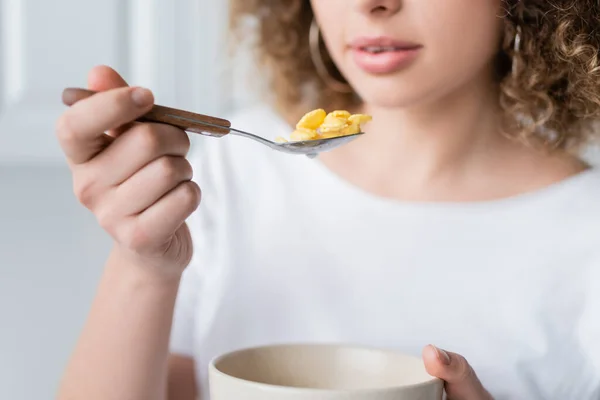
[{"x": 51, "y": 251}]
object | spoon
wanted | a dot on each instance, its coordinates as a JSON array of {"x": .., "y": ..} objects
[{"x": 218, "y": 127}]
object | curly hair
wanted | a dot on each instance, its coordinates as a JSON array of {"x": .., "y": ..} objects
[{"x": 551, "y": 93}]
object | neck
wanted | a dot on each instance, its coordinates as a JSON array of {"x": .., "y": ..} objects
[
  {"x": 447, "y": 135},
  {"x": 450, "y": 149}
]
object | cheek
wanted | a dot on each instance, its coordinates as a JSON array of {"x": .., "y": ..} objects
[
  {"x": 462, "y": 32},
  {"x": 330, "y": 17}
]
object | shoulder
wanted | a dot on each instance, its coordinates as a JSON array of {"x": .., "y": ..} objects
[
  {"x": 578, "y": 198},
  {"x": 584, "y": 198},
  {"x": 236, "y": 163},
  {"x": 228, "y": 169},
  {"x": 578, "y": 214},
  {"x": 586, "y": 206},
  {"x": 260, "y": 119}
]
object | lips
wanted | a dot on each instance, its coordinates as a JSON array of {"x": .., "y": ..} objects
[
  {"x": 379, "y": 49},
  {"x": 383, "y": 55}
]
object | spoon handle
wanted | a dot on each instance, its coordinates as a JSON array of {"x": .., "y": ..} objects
[{"x": 188, "y": 121}]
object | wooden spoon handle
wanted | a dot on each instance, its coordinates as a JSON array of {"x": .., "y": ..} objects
[{"x": 188, "y": 121}]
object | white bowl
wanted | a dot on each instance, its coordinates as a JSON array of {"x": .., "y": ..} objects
[{"x": 320, "y": 372}]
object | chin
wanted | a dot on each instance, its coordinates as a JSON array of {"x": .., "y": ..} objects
[
  {"x": 390, "y": 100},
  {"x": 391, "y": 92}
]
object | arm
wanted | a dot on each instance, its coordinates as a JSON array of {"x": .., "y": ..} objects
[
  {"x": 139, "y": 353},
  {"x": 123, "y": 349},
  {"x": 182, "y": 381}
]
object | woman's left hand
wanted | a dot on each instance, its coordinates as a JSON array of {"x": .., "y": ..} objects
[{"x": 461, "y": 382}]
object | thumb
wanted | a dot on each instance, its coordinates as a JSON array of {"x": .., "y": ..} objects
[
  {"x": 461, "y": 381},
  {"x": 103, "y": 78}
]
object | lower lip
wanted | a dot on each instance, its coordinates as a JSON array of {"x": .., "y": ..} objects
[{"x": 386, "y": 62}]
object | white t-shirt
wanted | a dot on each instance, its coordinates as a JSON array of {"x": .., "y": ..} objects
[{"x": 286, "y": 251}]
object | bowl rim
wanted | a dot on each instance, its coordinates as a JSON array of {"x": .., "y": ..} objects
[{"x": 271, "y": 387}]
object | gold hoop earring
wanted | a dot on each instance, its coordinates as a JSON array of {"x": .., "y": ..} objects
[
  {"x": 516, "y": 50},
  {"x": 317, "y": 59}
]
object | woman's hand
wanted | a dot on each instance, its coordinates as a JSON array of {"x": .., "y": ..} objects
[
  {"x": 135, "y": 179},
  {"x": 461, "y": 381}
]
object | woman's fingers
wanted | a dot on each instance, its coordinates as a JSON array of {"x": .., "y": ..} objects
[
  {"x": 102, "y": 78},
  {"x": 136, "y": 148},
  {"x": 135, "y": 195},
  {"x": 461, "y": 380},
  {"x": 134, "y": 179},
  {"x": 82, "y": 137},
  {"x": 156, "y": 226}
]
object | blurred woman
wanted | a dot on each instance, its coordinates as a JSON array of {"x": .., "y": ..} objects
[{"x": 464, "y": 219}]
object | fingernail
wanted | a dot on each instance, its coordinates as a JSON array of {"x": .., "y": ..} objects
[
  {"x": 141, "y": 97},
  {"x": 442, "y": 356}
]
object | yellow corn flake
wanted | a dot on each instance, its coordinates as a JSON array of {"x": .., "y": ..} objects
[
  {"x": 332, "y": 120},
  {"x": 351, "y": 129},
  {"x": 330, "y": 134},
  {"x": 360, "y": 119},
  {"x": 332, "y": 124},
  {"x": 302, "y": 134},
  {"x": 280, "y": 139},
  {"x": 331, "y": 129},
  {"x": 312, "y": 120},
  {"x": 341, "y": 114}
]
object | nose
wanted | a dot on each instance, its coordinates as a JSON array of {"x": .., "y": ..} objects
[{"x": 379, "y": 7}]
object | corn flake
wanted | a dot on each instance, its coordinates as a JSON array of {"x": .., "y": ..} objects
[
  {"x": 302, "y": 134},
  {"x": 341, "y": 114},
  {"x": 312, "y": 120},
  {"x": 351, "y": 129},
  {"x": 360, "y": 119},
  {"x": 332, "y": 124}
]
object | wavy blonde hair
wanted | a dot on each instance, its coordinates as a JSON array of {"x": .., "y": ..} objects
[{"x": 553, "y": 94}]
